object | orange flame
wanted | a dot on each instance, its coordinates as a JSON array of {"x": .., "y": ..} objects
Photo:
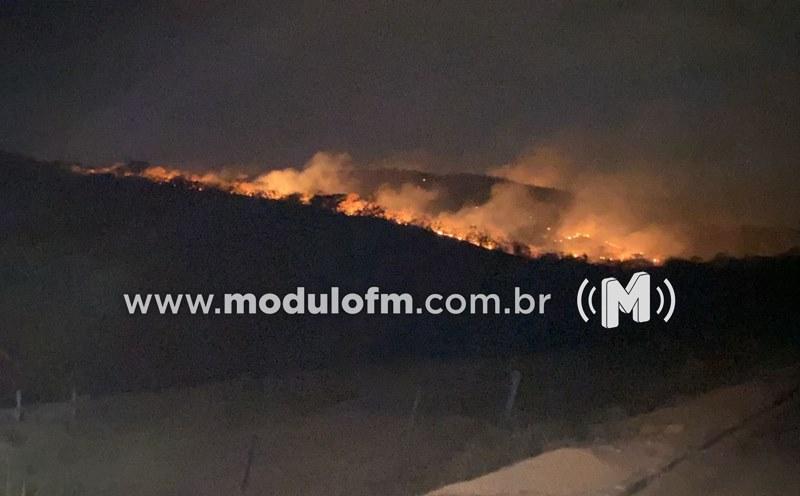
[{"x": 561, "y": 242}]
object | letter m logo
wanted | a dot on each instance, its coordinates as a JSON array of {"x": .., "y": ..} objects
[{"x": 633, "y": 299}]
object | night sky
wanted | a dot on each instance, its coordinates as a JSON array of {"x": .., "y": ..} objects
[{"x": 709, "y": 90}]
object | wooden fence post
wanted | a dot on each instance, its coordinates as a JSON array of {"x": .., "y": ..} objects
[
  {"x": 73, "y": 403},
  {"x": 516, "y": 376},
  {"x": 413, "y": 418},
  {"x": 18, "y": 409}
]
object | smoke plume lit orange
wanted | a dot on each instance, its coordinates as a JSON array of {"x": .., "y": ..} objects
[{"x": 607, "y": 219}]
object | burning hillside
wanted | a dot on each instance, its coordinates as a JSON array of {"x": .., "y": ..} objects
[{"x": 504, "y": 211}]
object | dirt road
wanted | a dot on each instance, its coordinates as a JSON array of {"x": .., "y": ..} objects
[
  {"x": 739, "y": 440},
  {"x": 762, "y": 459}
]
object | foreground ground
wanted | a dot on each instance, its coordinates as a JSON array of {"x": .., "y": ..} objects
[
  {"x": 762, "y": 459},
  {"x": 738, "y": 440},
  {"x": 408, "y": 430}
]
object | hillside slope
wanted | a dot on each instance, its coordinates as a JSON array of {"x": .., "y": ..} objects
[{"x": 72, "y": 245}]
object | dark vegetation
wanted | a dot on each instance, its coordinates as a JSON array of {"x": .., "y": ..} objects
[{"x": 72, "y": 245}]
